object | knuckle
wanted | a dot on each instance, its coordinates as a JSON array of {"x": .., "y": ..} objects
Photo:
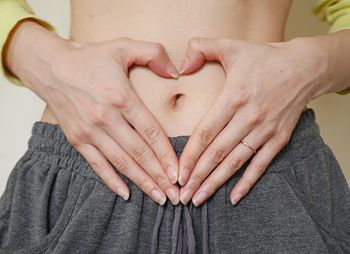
[
  {"x": 123, "y": 41},
  {"x": 152, "y": 133},
  {"x": 118, "y": 100},
  {"x": 268, "y": 131},
  {"x": 247, "y": 180},
  {"x": 205, "y": 137},
  {"x": 158, "y": 49},
  {"x": 163, "y": 158},
  {"x": 120, "y": 162},
  {"x": 72, "y": 139},
  {"x": 95, "y": 165},
  {"x": 197, "y": 178},
  {"x": 145, "y": 185},
  {"x": 260, "y": 167},
  {"x": 160, "y": 179},
  {"x": 242, "y": 95},
  {"x": 271, "y": 128},
  {"x": 194, "y": 42},
  {"x": 119, "y": 44},
  {"x": 283, "y": 138},
  {"x": 213, "y": 185},
  {"x": 234, "y": 102},
  {"x": 235, "y": 164},
  {"x": 254, "y": 116},
  {"x": 217, "y": 154},
  {"x": 100, "y": 116},
  {"x": 85, "y": 132},
  {"x": 189, "y": 161},
  {"x": 139, "y": 153}
]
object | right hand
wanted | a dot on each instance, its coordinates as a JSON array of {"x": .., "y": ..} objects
[{"x": 87, "y": 88}]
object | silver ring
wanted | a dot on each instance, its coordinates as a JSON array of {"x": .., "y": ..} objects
[{"x": 244, "y": 143}]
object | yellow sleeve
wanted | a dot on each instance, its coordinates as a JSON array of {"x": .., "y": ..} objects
[
  {"x": 11, "y": 12},
  {"x": 337, "y": 14}
]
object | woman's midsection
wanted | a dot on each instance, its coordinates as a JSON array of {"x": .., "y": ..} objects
[{"x": 177, "y": 104}]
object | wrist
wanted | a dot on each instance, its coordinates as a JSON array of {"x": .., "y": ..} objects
[
  {"x": 336, "y": 50},
  {"x": 29, "y": 44},
  {"x": 341, "y": 63},
  {"x": 314, "y": 55}
]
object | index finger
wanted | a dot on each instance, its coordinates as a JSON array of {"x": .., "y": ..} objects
[
  {"x": 208, "y": 128},
  {"x": 137, "y": 114}
]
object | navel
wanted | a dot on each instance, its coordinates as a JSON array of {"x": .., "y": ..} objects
[{"x": 177, "y": 100}]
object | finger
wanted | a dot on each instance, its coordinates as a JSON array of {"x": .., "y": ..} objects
[
  {"x": 257, "y": 167},
  {"x": 148, "y": 53},
  {"x": 224, "y": 143},
  {"x": 201, "y": 49},
  {"x": 232, "y": 163},
  {"x": 133, "y": 144},
  {"x": 206, "y": 130},
  {"x": 92, "y": 155},
  {"x": 138, "y": 149},
  {"x": 242, "y": 123},
  {"x": 237, "y": 157},
  {"x": 103, "y": 169},
  {"x": 133, "y": 114},
  {"x": 149, "y": 128},
  {"x": 148, "y": 181},
  {"x": 126, "y": 167}
]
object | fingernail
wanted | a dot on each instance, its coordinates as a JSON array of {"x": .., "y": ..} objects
[
  {"x": 174, "y": 75},
  {"x": 186, "y": 195},
  {"x": 183, "y": 177},
  {"x": 172, "y": 70},
  {"x": 183, "y": 66},
  {"x": 123, "y": 193},
  {"x": 173, "y": 195},
  {"x": 180, "y": 180},
  {"x": 172, "y": 174},
  {"x": 199, "y": 198},
  {"x": 236, "y": 197},
  {"x": 158, "y": 196}
]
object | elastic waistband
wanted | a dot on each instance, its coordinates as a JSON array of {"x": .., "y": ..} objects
[
  {"x": 49, "y": 140},
  {"x": 49, "y": 143}
]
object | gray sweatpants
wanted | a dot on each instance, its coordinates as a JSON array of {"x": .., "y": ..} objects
[{"x": 55, "y": 203}]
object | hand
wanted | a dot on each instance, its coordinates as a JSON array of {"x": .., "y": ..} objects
[
  {"x": 266, "y": 89},
  {"x": 87, "y": 88}
]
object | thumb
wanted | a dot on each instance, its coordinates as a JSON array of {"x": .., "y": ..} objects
[
  {"x": 152, "y": 54},
  {"x": 202, "y": 49}
]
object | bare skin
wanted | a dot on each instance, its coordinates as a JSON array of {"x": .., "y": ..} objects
[
  {"x": 191, "y": 103},
  {"x": 177, "y": 104}
]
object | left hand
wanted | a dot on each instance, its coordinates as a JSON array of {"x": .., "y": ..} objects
[{"x": 267, "y": 87}]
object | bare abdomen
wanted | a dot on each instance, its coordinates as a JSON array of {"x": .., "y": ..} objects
[{"x": 178, "y": 104}]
